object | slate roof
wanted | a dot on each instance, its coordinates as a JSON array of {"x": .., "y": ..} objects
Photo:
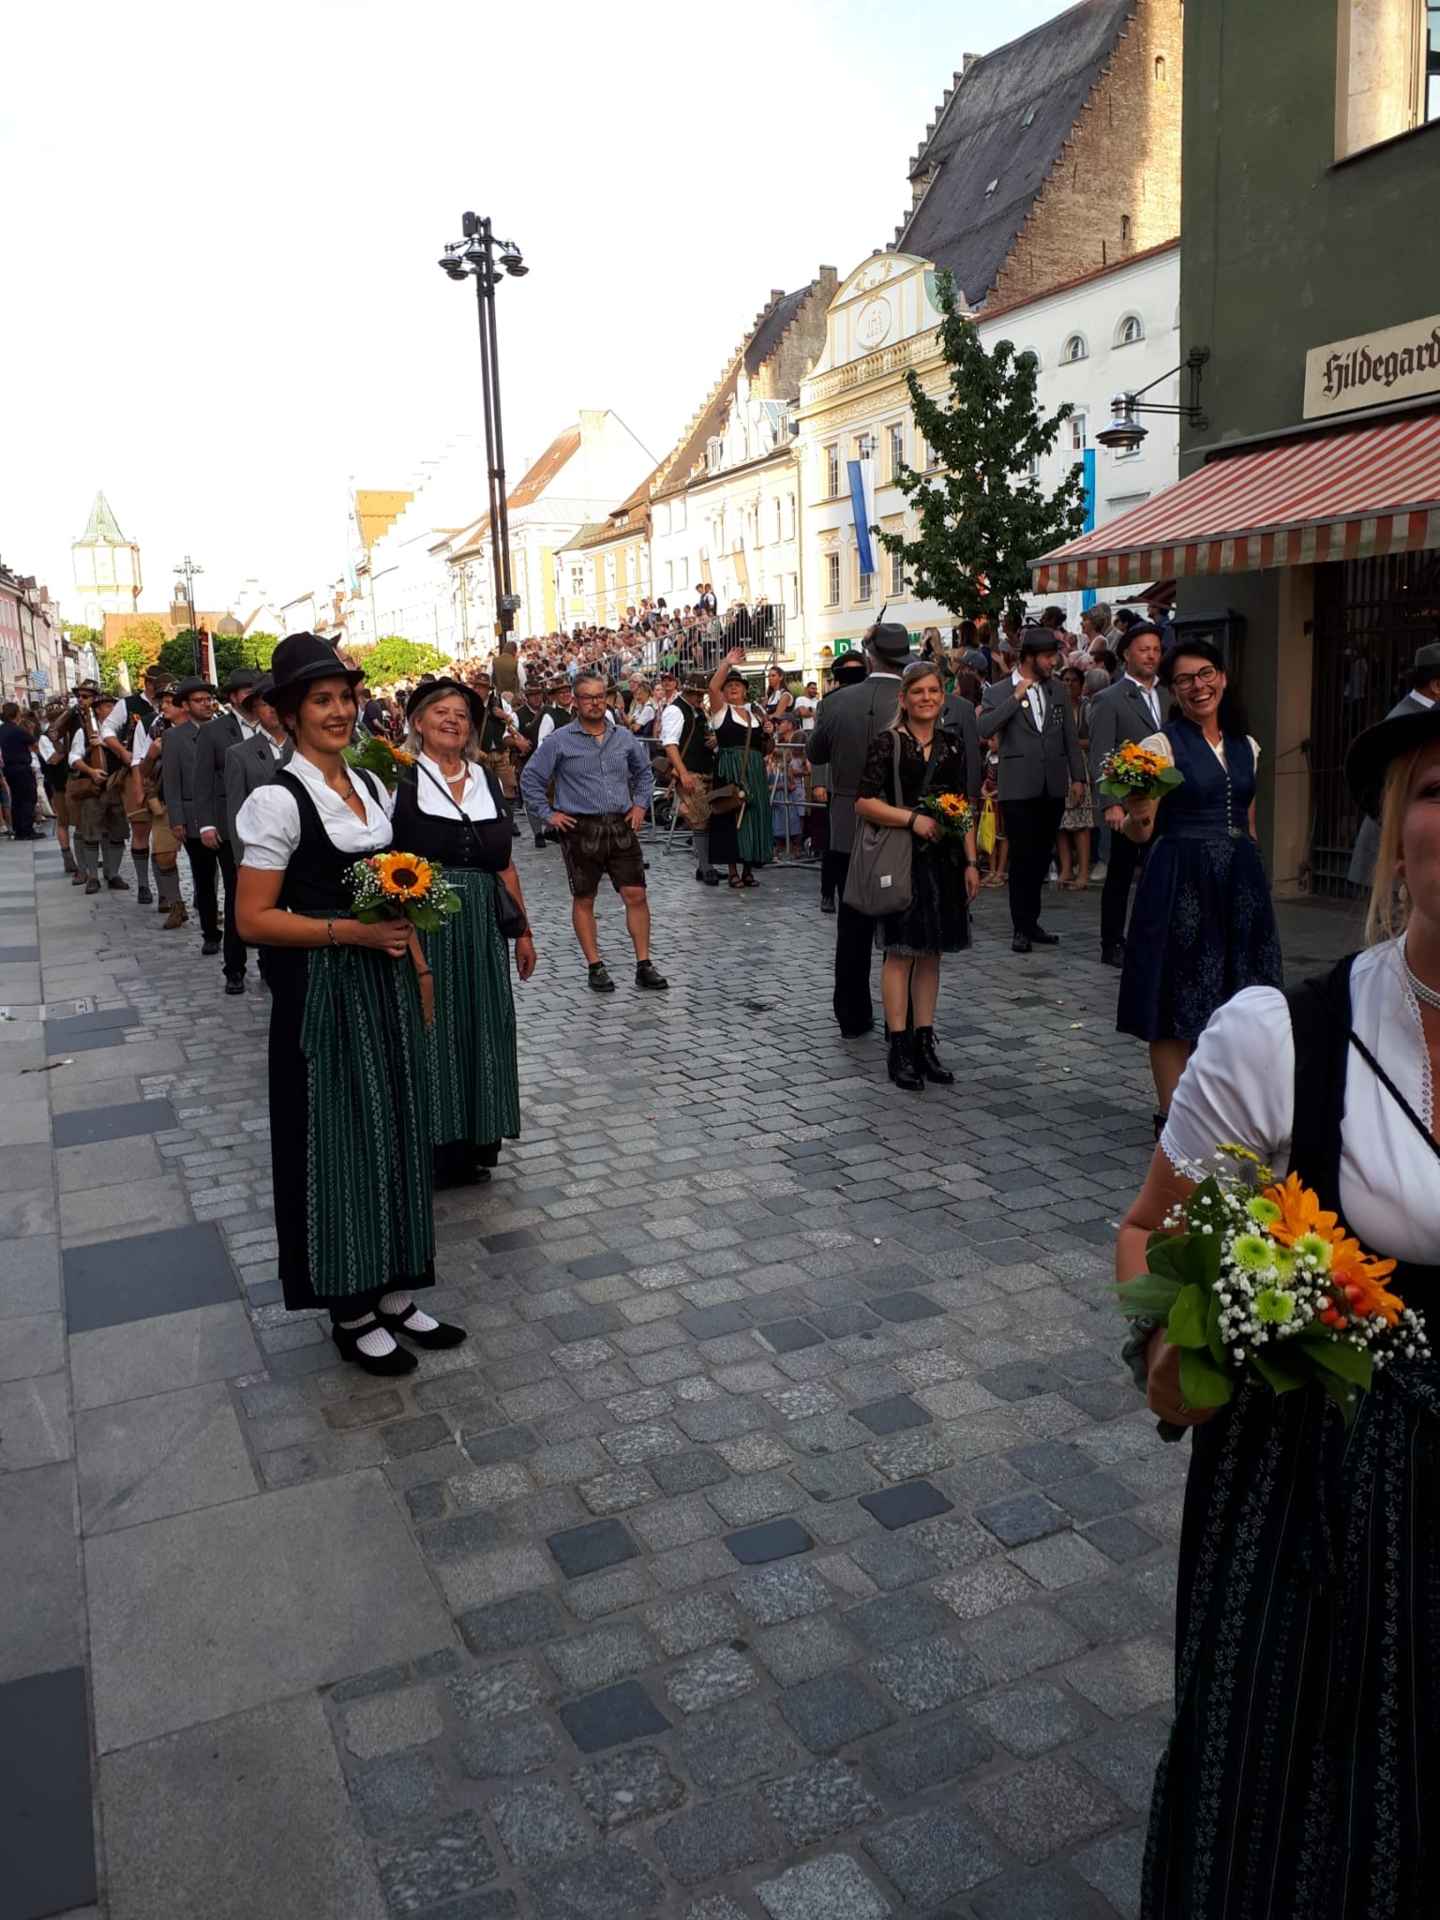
[
  {"x": 980, "y": 137},
  {"x": 103, "y": 529}
]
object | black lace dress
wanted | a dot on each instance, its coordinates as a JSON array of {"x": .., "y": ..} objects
[{"x": 937, "y": 919}]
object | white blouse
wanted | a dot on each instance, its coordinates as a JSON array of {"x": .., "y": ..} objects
[
  {"x": 269, "y": 821},
  {"x": 1239, "y": 1085},
  {"x": 433, "y": 793},
  {"x": 1159, "y": 745}
]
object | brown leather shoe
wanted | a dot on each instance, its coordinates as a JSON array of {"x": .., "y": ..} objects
[{"x": 176, "y": 917}]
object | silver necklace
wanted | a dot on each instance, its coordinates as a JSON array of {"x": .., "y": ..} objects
[{"x": 1426, "y": 995}]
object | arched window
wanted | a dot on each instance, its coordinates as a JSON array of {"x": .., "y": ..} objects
[
  {"x": 1124, "y": 229},
  {"x": 1159, "y": 69},
  {"x": 1130, "y": 329},
  {"x": 1074, "y": 348}
]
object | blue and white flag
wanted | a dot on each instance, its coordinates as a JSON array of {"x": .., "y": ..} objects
[{"x": 862, "y": 507}]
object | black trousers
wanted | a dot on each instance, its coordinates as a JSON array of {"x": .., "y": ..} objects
[
  {"x": 1115, "y": 895},
  {"x": 21, "y": 782},
  {"x": 233, "y": 947},
  {"x": 854, "y": 950},
  {"x": 1032, "y": 826},
  {"x": 204, "y": 863}
]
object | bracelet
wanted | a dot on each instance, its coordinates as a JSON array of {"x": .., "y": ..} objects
[
  {"x": 330, "y": 929},
  {"x": 973, "y": 863},
  {"x": 422, "y": 973}
]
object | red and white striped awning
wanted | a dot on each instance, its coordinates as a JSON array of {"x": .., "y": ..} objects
[{"x": 1339, "y": 496}]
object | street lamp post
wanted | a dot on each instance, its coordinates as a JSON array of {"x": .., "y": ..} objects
[
  {"x": 475, "y": 256},
  {"x": 188, "y": 570}
]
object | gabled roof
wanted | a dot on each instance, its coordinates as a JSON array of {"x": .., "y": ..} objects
[
  {"x": 537, "y": 477},
  {"x": 980, "y": 141},
  {"x": 103, "y": 529},
  {"x": 377, "y": 509}
]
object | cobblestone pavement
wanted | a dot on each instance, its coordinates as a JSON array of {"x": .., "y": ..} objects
[{"x": 786, "y": 1540}]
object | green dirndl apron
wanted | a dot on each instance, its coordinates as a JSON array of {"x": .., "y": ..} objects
[{"x": 474, "y": 1075}]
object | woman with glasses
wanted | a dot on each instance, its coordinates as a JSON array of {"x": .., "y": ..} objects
[{"x": 1202, "y": 928}]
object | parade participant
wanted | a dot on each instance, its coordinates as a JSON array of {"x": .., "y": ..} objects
[
  {"x": 740, "y": 836},
  {"x": 1132, "y": 709},
  {"x": 602, "y": 783},
  {"x": 450, "y": 810},
  {"x": 1040, "y": 764},
  {"x": 1302, "y": 1772},
  {"x": 254, "y": 761},
  {"x": 96, "y": 783},
  {"x": 932, "y": 760},
  {"x": 850, "y": 717},
  {"x": 1203, "y": 926},
  {"x": 53, "y": 753},
  {"x": 349, "y": 1095},
  {"x": 17, "y": 748},
  {"x": 146, "y": 788},
  {"x": 689, "y": 744},
  {"x": 233, "y": 724},
  {"x": 177, "y": 762},
  {"x": 848, "y": 671},
  {"x": 126, "y": 733}
]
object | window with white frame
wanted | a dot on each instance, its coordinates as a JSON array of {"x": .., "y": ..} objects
[
  {"x": 577, "y": 581},
  {"x": 1077, "y": 432},
  {"x": 864, "y": 584},
  {"x": 832, "y": 579},
  {"x": 1130, "y": 331},
  {"x": 1389, "y": 70},
  {"x": 682, "y": 574},
  {"x": 789, "y": 533},
  {"x": 897, "y": 576},
  {"x": 777, "y": 518},
  {"x": 897, "y": 448},
  {"x": 678, "y": 512},
  {"x": 831, "y": 456},
  {"x": 667, "y": 575},
  {"x": 792, "y": 596},
  {"x": 1074, "y": 348}
]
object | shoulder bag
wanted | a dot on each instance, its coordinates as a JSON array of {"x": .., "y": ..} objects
[
  {"x": 731, "y": 799},
  {"x": 879, "y": 878}
]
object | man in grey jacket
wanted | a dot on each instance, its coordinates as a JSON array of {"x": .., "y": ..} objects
[
  {"x": 177, "y": 763},
  {"x": 1040, "y": 765},
  {"x": 848, "y": 720},
  {"x": 1132, "y": 709},
  {"x": 1423, "y": 694},
  {"x": 254, "y": 761},
  {"x": 228, "y": 728}
]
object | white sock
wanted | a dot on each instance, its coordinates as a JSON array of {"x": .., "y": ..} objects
[
  {"x": 402, "y": 1304},
  {"x": 377, "y": 1342}
]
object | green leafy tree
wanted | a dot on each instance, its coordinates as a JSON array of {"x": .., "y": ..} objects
[
  {"x": 393, "y": 658},
  {"x": 83, "y": 636},
  {"x": 231, "y": 651},
  {"x": 985, "y": 517},
  {"x": 136, "y": 657}
]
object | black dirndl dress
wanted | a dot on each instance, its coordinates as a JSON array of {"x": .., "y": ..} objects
[
  {"x": 474, "y": 1072},
  {"x": 349, "y": 1100},
  {"x": 1302, "y": 1776},
  {"x": 937, "y": 919}
]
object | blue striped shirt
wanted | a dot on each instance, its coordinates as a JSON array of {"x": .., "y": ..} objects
[{"x": 608, "y": 775}]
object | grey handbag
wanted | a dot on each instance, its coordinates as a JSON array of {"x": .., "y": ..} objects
[{"x": 879, "y": 878}]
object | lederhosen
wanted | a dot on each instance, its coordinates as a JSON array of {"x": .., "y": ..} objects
[
  {"x": 1303, "y": 1773},
  {"x": 349, "y": 1099},
  {"x": 697, "y": 756}
]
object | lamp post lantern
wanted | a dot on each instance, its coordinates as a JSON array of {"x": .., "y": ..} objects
[
  {"x": 481, "y": 257},
  {"x": 187, "y": 571}
]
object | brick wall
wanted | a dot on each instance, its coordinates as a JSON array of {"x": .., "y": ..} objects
[{"x": 1116, "y": 187}]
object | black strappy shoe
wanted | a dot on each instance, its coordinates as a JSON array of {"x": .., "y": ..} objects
[
  {"x": 432, "y": 1339},
  {"x": 387, "y": 1365}
]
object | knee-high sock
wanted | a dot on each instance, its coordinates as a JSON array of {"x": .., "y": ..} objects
[
  {"x": 87, "y": 858},
  {"x": 167, "y": 881},
  {"x": 114, "y": 853},
  {"x": 702, "y": 848},
  {"x": 141, "y": 858}
]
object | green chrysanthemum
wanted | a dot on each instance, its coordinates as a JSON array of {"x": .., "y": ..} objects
[
  {"x": 1252, "y": 1252},
  {"x": 1312, "y": 1246},
  {"x": 1275, "y": 1306},
  {"x": 1284, "y": 1262},
  {"x": 1263, "y": 1212}
]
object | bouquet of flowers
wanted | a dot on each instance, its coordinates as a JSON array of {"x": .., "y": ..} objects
[
  {"x": 955, "y": 815},
  {"x": 399, "y": 886},
  {"x": 1133, "y": 769},
  {"x": 388, "y": 764},
  {"x": 1255, "y": 1282}
]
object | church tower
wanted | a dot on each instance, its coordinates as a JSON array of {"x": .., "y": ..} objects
[{"x": 107, "y": 567}]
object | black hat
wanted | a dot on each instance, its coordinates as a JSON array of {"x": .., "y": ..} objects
[
  {"x": 889, "y": 641},
  {"x": 1427, "y": 661},
  {"x": 431, "y": 690},
  {"x": 1127, "y": 634},
  {"x": 263, "y": 687},
  {"x": 850, "y": 666},
  {"x": 195, "y": 684},
  {"x": 1370, "y": 755},
  {"x": 300, "y": 659},
  {"x": 87, "y": 686},
  {"x": 241, "y": 677},
  {"x": 1038, "y": 640}
]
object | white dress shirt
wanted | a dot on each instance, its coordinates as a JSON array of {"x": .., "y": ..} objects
[
  {"x": 1149, "y": 696},
  {"x": 1037, "y": 698},
  {"x": 268, "y": 823},
  {"x": 434, "y": 794}
]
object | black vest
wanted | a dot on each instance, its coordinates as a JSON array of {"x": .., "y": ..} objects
[
  {"x": 697, "y": 743},
  {"x": 315, "y": 876},
  {"x": 560, "y": 717},
  {"x": 457, "y": 841},
  {"x": 527, "y": 723}
]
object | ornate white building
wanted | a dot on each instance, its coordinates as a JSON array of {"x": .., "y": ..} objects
[{"x": 107, "y": 568}]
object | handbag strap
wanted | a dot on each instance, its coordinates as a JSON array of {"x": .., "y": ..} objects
[
  {"x": 931, "y": 765},
  {"x": 1396, "y": 1095}
]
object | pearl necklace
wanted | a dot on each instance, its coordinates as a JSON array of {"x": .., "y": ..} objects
[{"x": 1426, "y": 995}]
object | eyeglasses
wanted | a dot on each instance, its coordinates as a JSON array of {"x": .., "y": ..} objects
[{"x": 1206, "y": 677}]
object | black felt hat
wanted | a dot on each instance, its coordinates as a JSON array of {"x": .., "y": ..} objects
[
  {"x": 241, "y": 677},
  {"x": 1369, "y": 757},
  {"x": 1038, "y": 640},
  {"x": 195, "y": 684},
  {"x": 298, "y": 661},
  {"x": 849, "y": 666},
  {"x": 890, "y": 642},
  {"x": 433, "y": 690}
]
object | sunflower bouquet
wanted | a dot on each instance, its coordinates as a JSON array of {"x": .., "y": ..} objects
[
  {"x": 400, "y": 886},
  {"x": 955, "y": 816},
  {"x": 1133, "y": 770},
  {"x": 1255, "y": 1282},
  {"x": 388, "y": 764}
]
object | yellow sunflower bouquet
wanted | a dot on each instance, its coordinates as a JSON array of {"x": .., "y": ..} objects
[
  {"x": 955, "y": 815},
  {"x": 401, "y": 886},
  {"x": 1256, "y": 1282},
  {"x": 1133, "y": 769},
  {"x": 388, "y": 764}
]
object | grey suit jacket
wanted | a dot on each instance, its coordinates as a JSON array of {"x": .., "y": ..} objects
[
  {"x": 1367, "y": 842},
  {"x": 207, "y": 777},
  {"x": 249, "y": 764},
  {"x": 1034, "y": 765},
  {"x": 847, "y": 722},
  {"x": 960, "y": 717},
  {"x": 177, "y": 767},
  {"x": 1119, "y": 714}
]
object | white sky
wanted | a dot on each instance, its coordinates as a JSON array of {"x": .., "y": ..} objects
[{"x": 220, "y": 227}]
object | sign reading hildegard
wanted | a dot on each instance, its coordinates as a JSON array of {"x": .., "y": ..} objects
[{"x": 1402, "y": 363}]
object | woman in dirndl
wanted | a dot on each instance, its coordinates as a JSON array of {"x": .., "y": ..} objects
[
  {"x": 349, "y": 1092},
  {"x": 450, "y": 810},
  {"x": 740, "y": 837},
  {"x": 1302, "y": 1774}
]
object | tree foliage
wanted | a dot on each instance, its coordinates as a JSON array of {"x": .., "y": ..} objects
[
  {"x": 394, "y": 658},
  {"x": 985, "y": 517},
  {"x": 83, "y": 636},
  {"x": 136, "y": 657},
  {"x": 231, "y": 651}
]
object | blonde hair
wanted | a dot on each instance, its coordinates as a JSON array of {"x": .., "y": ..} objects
[{"x": 1389, "y": 902}]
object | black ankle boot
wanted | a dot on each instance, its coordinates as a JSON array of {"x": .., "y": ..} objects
[
  {"x": 928, "y": 1061},
  {"x": 901, "y": 1063}
]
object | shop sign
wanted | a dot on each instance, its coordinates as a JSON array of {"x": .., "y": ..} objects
[{"x": 1400, "y": 363}]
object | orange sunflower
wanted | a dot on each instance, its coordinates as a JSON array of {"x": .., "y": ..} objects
[{"x": 403, "y": 876}]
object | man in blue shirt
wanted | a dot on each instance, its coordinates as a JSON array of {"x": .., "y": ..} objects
[{"x": 592, "y": 782}]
